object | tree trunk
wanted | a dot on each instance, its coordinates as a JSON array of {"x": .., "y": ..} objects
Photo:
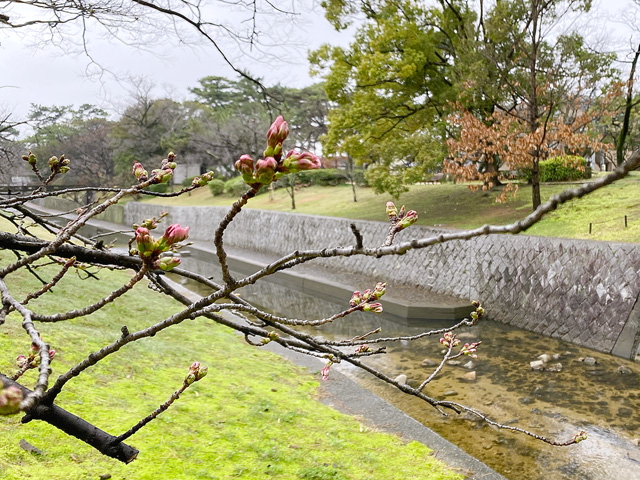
[
  {"x": 535, "y": 185},
  {"x": 624, "y": 132}
]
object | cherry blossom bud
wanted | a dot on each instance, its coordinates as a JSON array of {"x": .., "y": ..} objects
[
  {"x": 245, "y": 166},
  {"x": 325, "y": 370},
  {"x": 580, "y": 436},
  {"x": 21, "y": 361},
  {"x": 10, "y": 399},
  {"x": 409, "y": 219},
  {"x": 150, "y": 223},
  {"x": 470, "y": 349},
  {"x": 363, "y": 348},
  {"x": 31, "y": 159},
  {"x": 146, "y": 244},
  {"x": 265, "y": 170},
  {"x": 202, "y": 180},
  {"x": 299, "y": 161},
  {"x": 278, "y": 132},
  {"x": 175, "y": 233},
  {"x": 162, "y": 175},
  {"x": 392, "y": 211},
  {"x": 379, "y": 291},
  {"x": 449, "y": 339},
  {"x": 196, "y": 372},
  {"x": 372, "y": 307},
  {"x": 356, "y": 299},
  {"x": 166, "y": 263},
  {"x": 139, "y": 172}
]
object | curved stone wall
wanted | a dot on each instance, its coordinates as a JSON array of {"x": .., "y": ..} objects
[{"x": 581, "y": 291}]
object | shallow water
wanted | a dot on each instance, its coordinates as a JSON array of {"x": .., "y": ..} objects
[{"x": 598, "y": 398}]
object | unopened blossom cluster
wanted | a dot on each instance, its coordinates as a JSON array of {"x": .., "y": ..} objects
[
  {"x": 196, "y": 372},
  {"x": 366, "y": 301},
  {"x": 150, "y": 250},
  {"x": 400, "y": 219},
  {"x": 165, "y": 173},
  {"x": 449, "y": 339},
  {"x": 10, "y": 399},
  {"x": 159, "y": 175},
  {"x": 274, "y": 165},
  {"x": 26, "y": 362},
  {"x": 56, "y": 165}
]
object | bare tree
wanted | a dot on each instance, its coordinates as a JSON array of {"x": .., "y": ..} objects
[{"x": 147, "y": 259}]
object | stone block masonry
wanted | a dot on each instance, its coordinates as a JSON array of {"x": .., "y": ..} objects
[{"x": 580, "y": 291}]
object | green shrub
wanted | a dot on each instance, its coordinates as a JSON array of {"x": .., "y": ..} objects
[
  {"x": 187, "y": 181},
  {"x": 217, "y": 187},
  {"x": 323, "y": 177},
  {"x": 158, "y": 188},
  {"x": 234, "y": 187},
  {"x": 565, "y": 168}
]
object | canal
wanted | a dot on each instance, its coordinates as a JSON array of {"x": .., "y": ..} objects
[{"x": 580, "y": 389}]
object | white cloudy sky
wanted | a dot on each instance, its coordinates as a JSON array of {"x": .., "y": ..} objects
[{"x": 51, "y": 76}]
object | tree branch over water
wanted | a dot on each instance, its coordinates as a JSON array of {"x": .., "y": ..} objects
[{"x": 151, "y": 255}]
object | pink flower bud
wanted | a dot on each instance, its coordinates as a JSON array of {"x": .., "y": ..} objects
[
  {"x": 449, "y": 339},
  {"x": 196, "y": 372},
  {"x": 145, "y": 242},
  {"x": 372, "y": 307},
  {"x": 175, "y": 233},
  {"x": 356, "y": 299},
  {"x": 409, "y": 219},
  {"x": 166, "y": 263},
  {"x": 325, "y": 370},
  {"x": 245, "y": 166},
  {"x": 162, "y": 175},
  {"x": 139, "y": 172},
  {"x": 202, "y": 180},
  {"x": 580, "y": 436},
  {"x": 379, "y": 291},
  {"x": 265, "y": 170},
  {"x": 392, "y": 211},
  {"x": 298, "y": 161},
  {"x": 10, "y": 399},
  {"x": 278, "y": 132}
]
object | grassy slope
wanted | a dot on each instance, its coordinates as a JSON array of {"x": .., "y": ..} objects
[
  {"x": 457, "y": 207},
  {"x": 254, "y": 416}
]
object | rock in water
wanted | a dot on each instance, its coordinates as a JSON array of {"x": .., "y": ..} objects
[{"x": 401, "y": 379}]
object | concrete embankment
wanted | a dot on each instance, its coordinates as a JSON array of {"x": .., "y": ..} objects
[{"x": 580, "y": 291}]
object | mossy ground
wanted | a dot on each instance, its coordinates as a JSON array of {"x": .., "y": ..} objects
[{"x": 254, "y": 416}]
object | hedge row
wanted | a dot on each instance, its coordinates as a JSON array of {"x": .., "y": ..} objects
[{"x": 564, "y": 168}]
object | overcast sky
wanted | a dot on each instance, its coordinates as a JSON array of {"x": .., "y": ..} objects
[
  {"x": 53, "y": 76},
  {"x": 46, "y": 75}
]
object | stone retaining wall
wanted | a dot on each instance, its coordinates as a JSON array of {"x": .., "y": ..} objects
[{"x": 580, "y": 291}]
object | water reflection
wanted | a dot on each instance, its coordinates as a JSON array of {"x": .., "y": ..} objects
[{"x": 602, "y": 398}]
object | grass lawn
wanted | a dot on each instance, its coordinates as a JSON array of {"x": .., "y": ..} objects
[
  {"x": 254, "y": 416},
  {"x": 456, "y": 206}
]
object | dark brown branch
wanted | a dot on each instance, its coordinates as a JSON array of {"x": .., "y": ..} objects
[{"x": 76, "y": 427}]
